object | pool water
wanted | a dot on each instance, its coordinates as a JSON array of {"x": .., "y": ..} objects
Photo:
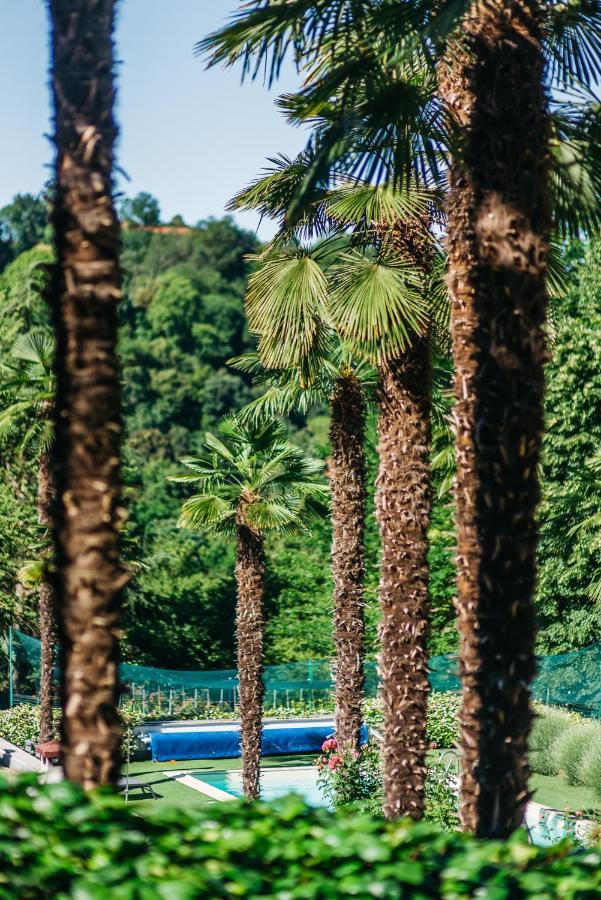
[
  {"x": 274, "y": 783},
  {"x": 545, "y": 826}
]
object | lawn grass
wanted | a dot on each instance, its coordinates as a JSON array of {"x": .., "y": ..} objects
[
  {"x": 556, "y": 792},
  {"x": 548, "y": 790},
  {"x": 174, "y": 794}
]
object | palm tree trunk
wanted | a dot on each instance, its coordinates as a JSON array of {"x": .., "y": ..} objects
[
  {"x": 90, "y": 576},
  {"x": 46, "y": 605},
  {"x": 250, "y": 580},
  {"x": 347, "y": 482},
  {"x": 403, "y": 507},
  {"x": 497, "y": 242}
]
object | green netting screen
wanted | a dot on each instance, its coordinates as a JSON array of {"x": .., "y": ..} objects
[{"x": 565, "y": 679}]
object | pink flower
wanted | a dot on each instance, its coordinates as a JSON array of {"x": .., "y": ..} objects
[
  {"x": 334, "y": 762},
  {"x": 356, "y": 754},
  {"x": 433, "y": 745},
  {"x": 330, "y": 744}
]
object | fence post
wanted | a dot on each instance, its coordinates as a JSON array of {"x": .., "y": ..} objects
[
  {"x": 311, "y": 684},
  {"x": 170, "y": 700},
  {"x": 10, "y": 666}
]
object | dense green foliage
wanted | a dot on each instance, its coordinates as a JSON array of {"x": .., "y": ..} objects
[
  {"x": 56, "y": 842},
  {"x": 23, "y": 224},
  {"x": 569, "y": 616},
  {"x": 182, "y": 319}
]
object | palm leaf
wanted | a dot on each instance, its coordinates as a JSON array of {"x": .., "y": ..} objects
[
  {"x": 285, "y": 302},
  {"x": 35, "y": 347},
  {"x": 207, "y": 511},
  {"x": 376, "y": 304},
  {"x": 573, "y": 42}
]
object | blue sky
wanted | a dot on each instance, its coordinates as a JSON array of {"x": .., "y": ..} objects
[{"x": 189, "y": 136}]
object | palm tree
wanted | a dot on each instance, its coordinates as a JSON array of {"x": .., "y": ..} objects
[
  {"x": 252, "y": 480},
  {"x": 372, "y": 301},
  {"x": 503, "y": 186},
  {"x": 90, "y": 576},
  {"x": 27, "y": 396},
  {"x": 306, "y": 364},
  {"x": 503, "y": 191},
  {"x": 341, "y": 382},
  {"x": 372, "y": 305}
]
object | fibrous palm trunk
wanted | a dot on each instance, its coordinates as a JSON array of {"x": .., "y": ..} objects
[
  {"x": 497, "y": 242},
  {"x": 403, "y": 508},
  {"x": 347, "y": 482},
  {"x": 46, "y": 605},
  {"x": 250, "y": 580},
  {"x": 90, "y": 576}
]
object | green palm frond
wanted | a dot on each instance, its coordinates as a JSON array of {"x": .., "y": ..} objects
[
  {"x": 249, "y": 363},
  {"x": 363, "y": 205},
  {"x": 376, "y": 304},
  {"x": 264, "y": 32},
  {"x": 35, "y": 347},
  {"x": 271, "y": 194},
  {"x": 575, "y": 177},
  {"x": 277, "y": 401},
  {"x": 573, "y": 42},
  {"x": 11, "y": 414},
  {"x": 32, "y": 572},
  {"x": 27, "y": 393},
  {"x": 207, "y": 511},
  {"x": 286, "y": 302},
  {"x": 262, "y": 477},
  {"x": 270, "y": 515}
]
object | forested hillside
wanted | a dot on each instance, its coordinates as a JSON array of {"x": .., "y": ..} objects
[{"x": 182, "y": 319}]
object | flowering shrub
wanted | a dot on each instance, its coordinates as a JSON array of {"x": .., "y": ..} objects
[{"x": 351, "y": 777}]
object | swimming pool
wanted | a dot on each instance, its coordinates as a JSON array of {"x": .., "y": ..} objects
[
  {"x": 545, "y": 826},
  {"x": 274, "y": 783}
]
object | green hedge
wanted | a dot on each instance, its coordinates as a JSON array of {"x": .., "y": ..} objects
[{"x": 56, "y": 843}]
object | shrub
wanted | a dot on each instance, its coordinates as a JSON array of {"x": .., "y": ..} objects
[
  {"x": 591, "y": 767},
  {"x": 443, "y": 718},
  {"x": 442, "y": 802},
  {"x": 20, "y": 724},
  {"x": 570, "y": 747},
  {"x": 548, "y": 725},
  {"x": 353, "y": 778},
  {"x": 57, "y": 842}
]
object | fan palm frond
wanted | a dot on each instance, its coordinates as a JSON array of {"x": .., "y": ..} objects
[
  {"x": 376, "y": 304},
  {"x": 287, "y": 297},
  {"x": 572, "y": 34}
]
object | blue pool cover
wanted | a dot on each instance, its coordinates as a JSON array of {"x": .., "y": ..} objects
[{"x": 223, "y": 742}]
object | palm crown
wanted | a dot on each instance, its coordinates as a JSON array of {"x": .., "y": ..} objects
[
  {"x": 27, "y": 391},
  {"x": 370, "y": 90},
  {"x": 252, "y": 475}
]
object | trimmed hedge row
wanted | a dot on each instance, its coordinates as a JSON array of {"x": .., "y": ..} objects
[{"x": 57, "y": 843}]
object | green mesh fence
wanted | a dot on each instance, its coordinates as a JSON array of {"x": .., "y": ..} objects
[{"x": 566, "y": 679}]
